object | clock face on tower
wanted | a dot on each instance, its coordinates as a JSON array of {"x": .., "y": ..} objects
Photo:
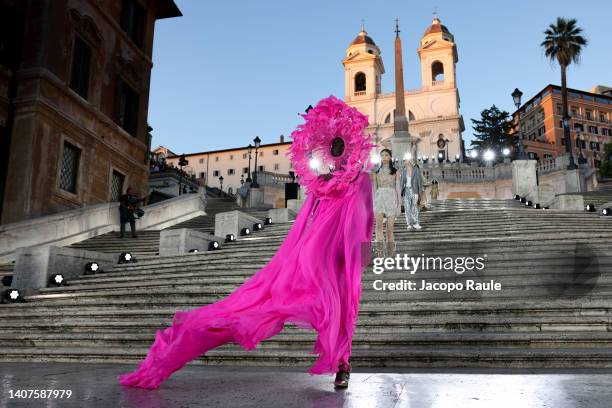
[{"x": 437, "y": 106}]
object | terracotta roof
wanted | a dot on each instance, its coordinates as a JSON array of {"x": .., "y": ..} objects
[
  {"x": 436, "y": 27},
  {"x": 363, "y": 38}
]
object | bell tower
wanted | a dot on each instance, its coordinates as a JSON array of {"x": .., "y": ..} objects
[
  {"x": 363, "y": 68},
  {"x": 438, "y": 54}
]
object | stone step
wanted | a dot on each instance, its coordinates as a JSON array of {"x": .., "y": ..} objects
[
  {"x": 397, "y": 323},
  {"x": 565, "y": 276},
  {"x": 303, "y": 339},
  {"x": 499, "y": 307},
  {"x": 399, "y": 357},
  {"x": 458, "y": 247},
  {"x": 238, "y": 276},
  {"x": 248, "y": 266},
  {"x": 579, "y": 290}
]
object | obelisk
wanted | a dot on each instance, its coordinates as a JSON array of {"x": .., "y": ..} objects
[{"x": 401, "y": 141}]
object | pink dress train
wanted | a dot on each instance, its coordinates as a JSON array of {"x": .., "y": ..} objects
[{"x": 313, "y": 281}]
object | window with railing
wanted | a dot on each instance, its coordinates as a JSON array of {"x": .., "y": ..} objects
[
  {"x": 116, "y": 185},
  {"x": 69, "y": 168}
]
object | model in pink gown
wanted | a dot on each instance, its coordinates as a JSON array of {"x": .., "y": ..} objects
[{"x": 313, "y": 281}]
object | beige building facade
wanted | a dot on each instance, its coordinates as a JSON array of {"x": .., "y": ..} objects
[
  {"x": 233, "y": 164},
  {"x": 432, "y": 110}
]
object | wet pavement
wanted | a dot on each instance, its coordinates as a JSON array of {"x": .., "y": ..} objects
[{"x": 95, "y": 385}]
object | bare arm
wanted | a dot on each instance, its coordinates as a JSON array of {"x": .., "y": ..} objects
[
  {"x": 398, "y": 187},
  {"x": 374, "y": 183}
]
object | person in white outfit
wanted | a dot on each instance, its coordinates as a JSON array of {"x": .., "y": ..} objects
[
  {"x": 411, "y": 186},
  {"x": 386, "y": 192}
]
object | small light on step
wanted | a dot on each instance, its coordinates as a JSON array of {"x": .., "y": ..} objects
[
  {"x": 92, "y": 268},
  {"x": 12, "y": 296},
  {"x": 57, "y": 279},
  {"x": 126, "y": 257}
]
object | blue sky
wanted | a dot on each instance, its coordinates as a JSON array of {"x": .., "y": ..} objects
[{"x": 228, "y": 71}]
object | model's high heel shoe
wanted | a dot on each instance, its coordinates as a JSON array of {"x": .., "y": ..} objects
[{"x": 343, "y": 376}]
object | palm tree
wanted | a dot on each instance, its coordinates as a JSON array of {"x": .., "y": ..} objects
[{"x": 563, "y": 43}]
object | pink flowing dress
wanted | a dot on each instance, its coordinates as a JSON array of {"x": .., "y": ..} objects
[{"x": 313, "y": 281}]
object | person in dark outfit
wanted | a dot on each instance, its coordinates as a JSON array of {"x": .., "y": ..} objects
[{"x": 127, "y": 205}]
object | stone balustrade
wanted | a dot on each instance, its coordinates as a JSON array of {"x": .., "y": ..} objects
[
  {"x": 72, "y": 226},
  {"x": 268, "y": 178},
  {"x": 465, "y": 173}
]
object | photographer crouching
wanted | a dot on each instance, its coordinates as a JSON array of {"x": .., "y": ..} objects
[{"x": 128, "y": 208}]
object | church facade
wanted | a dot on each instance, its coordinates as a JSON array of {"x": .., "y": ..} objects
[{"x": 432, "y": 110}]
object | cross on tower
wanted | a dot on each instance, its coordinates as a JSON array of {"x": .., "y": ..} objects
[{"x": 397, "y": 30}]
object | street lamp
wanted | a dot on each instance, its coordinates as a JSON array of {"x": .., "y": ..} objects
[
  {"x": 182, "y": 163},
  {"x": 221, "y": 182},
  {"x": 568, "y": 142},
  {"x": 249, "y": 149},
  {"x": 257, "y": 141},
  {"x": 516, "y": 96},
  {"x": 579, "y": 140},
  {"x": 446, "y": 141}
]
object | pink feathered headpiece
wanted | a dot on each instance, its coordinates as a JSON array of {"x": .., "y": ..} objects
[{"x": 312, "y": 142}]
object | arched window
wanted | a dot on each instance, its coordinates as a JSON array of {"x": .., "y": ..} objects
[
  {"x": 411, "y": 115},
  {"x": 360, "y": 82},
  {"x": 437, "y": 71},
  {"x": 388, "y": 118}
]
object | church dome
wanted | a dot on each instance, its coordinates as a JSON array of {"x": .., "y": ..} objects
[
  {"x": 436, "y": 27},
  {"x": 362, "y": 38}
]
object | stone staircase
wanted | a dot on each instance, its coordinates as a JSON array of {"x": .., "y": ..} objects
[
  {"x": 600, "y": 196},
  {"x": 554, "y": 308},
  {"x": 147, "y": 242}
]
